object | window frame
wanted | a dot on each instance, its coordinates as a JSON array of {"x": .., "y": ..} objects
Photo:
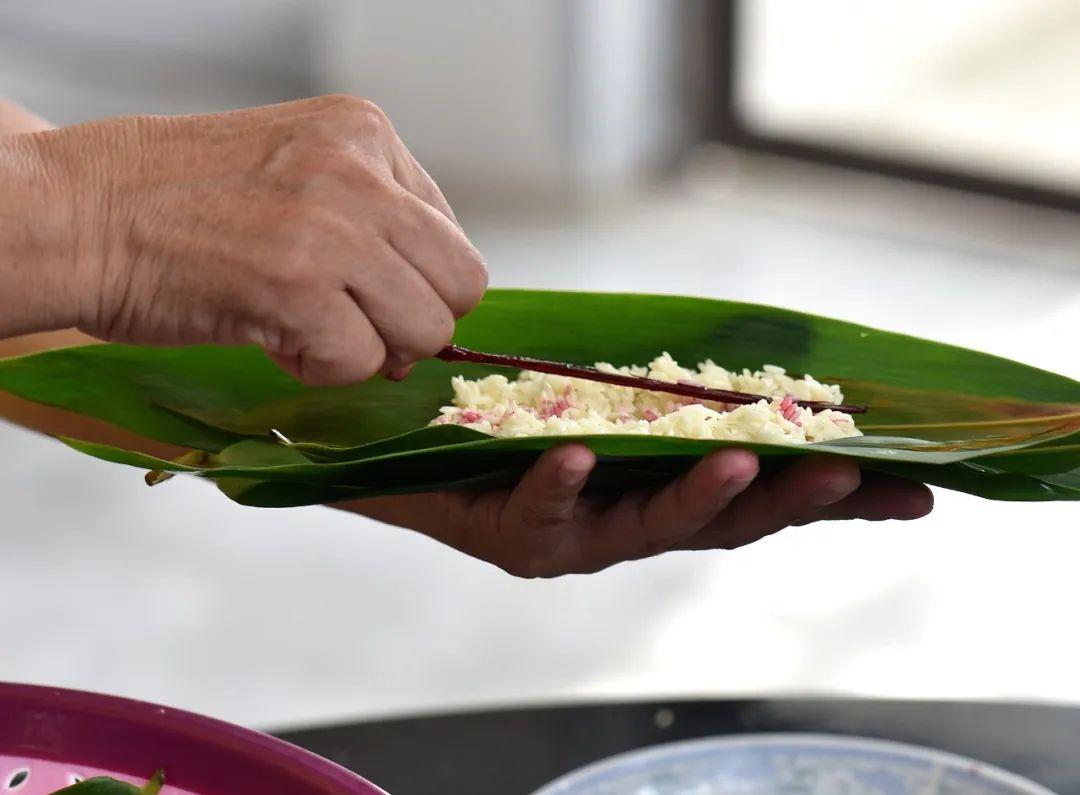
[{"x": 724, "y": 124}]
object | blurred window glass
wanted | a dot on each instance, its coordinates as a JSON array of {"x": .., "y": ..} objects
[{"x": 984, "y": 87}]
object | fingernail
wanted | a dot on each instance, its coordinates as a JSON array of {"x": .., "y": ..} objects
[
  {"x": 831, "y": 492},
  {"x": 571, "y": 474}
]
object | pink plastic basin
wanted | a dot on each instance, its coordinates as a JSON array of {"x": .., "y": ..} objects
[{"x": 49, "y": 736}]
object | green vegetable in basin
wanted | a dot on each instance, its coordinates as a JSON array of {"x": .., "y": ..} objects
[
  {"x": 937, "y": 413},
  {"x": 100, "y": 785}
]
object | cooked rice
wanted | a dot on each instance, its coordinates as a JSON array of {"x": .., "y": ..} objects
[{"x": 536, "y": 404}]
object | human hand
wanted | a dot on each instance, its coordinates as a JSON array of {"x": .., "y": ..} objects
[
  {"x": 545, "y": 527},
  {"x": 306, "y": 228}
]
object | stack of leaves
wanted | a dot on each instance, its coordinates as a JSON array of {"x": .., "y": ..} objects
[{"x": 939, "y": 414}]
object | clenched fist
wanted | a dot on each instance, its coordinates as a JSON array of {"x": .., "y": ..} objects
[{"x": 306, "y": 228}]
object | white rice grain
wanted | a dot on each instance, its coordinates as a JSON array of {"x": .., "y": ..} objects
[{"x": 536, "y": 404}]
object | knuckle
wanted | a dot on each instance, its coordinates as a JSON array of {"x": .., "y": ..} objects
[
  {"x": 336, "y": 158},
  {"x": 474, "y": 281},
  {"x": 316, "y": 369},
  {"x": 368, "y": 358},
  {"x": 466, "y": 288},
  {"x": 367, "y": 366},
  {"x": 328, "y": 370},
  {"x": 368, "y": 173},
  {"x": 336, "y": 162},
  {"x": 331, "y": 142},
  {"x": 436, "y": 335},
  {"x": 328, "y": 357},
  {"x": 443, "y": 331},
  {"x": 401, "y": 207},
  {"x": 325, "y": 102},
  {"x": 361, "y": 113}
]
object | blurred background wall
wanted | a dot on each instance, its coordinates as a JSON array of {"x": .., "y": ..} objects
[
  {"x": 639, "y": 145},
  {"x": 503, "y": 100}
]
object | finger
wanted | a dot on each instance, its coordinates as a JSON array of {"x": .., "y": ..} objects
[
  {"x": 439, "y": 250},
  {"x": 880, "y": 498},
  {"x": 641, "y": 526},
  {"x": 781, "y": 499},
  {"x": 686, "y": 505},
  {"x": 400, "y": 374},
  {"x": 339, "y": 345},
  {"x": 411, "y": 318},
  {"x": 411, "y": 175},
  {"x": 540, "y": 509}
]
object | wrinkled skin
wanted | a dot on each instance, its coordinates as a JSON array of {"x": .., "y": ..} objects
[
  {"x": 306, "y": 228},
  {"x": 309, "y": 229}
]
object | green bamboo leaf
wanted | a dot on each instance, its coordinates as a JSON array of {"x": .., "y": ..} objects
[
  {"x": 941, "y": 414},
  {"x": 247, "y": 481}
]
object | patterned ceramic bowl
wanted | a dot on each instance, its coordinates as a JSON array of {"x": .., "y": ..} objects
[
  {"x": 790, "y": 764},
  {"x": 50, "y": 738}
]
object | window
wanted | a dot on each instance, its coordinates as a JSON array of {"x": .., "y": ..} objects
[{"x": 978, "y": 94}]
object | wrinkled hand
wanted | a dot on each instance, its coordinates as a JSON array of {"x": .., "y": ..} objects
[
  {"x": 545, "y": 527},
  {"x": 306, "y": 228}
]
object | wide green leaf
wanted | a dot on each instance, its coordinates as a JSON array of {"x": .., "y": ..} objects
[{"x": 938, "y": 413}]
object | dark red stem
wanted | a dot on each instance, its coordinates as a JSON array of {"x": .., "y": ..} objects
[{"x": 455, "y": 353}]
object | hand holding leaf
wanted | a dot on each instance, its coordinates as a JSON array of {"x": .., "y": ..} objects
[{"x": 545, "y": 527}]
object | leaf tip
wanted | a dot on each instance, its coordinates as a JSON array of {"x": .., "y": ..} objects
[{"x": 156, "y": 782}]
